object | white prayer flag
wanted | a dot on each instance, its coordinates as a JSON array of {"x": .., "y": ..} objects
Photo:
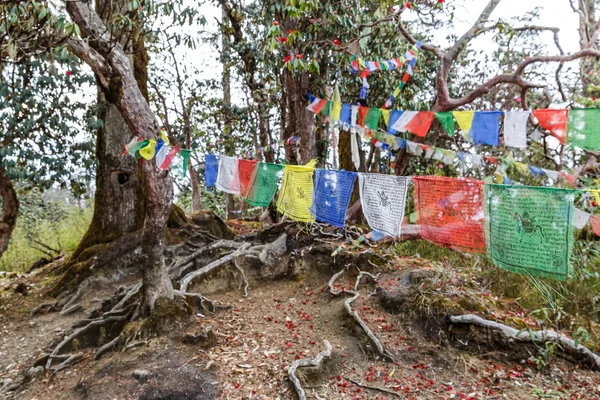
[
  {"x": 580, "y": 218},
  {"x": 515, "y": 129},
  {"x": 354, "y": 149},
  {"x": 383, "y": 200},
  {"x": 551, "y": 174},
  {"x": 227, "y": 177},
  {"x": 476, "y": 160}
]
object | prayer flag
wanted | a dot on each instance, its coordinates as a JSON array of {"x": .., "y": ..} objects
[
  {"x": 485, "y": 127},
  {"x": 394, "y": 116},
  {"x": 148, "y": 151},
  {"x": 371, "y": 120},
  {"x": 383, "y": 200},
  {"x": 529, "y": 229},
  {"x": 245, "y": 171},
  {"x": 595, "y": 222},
  {"x": 263, "y": 185},
  {"x": 185, "y": 155},
  {"x": 464, "y": 120},
  {"x": 295, "y": 197},
  {"x": 515, "y": 129},
  {"x": 316, "y": 105},
  {"x": 169, "y": 157},
  {"x": 336, "y": 111},
  {"x": 415, "y": 122},
  {"x": 446, "y": 119},
  {"x": 333, "y": 190},
  {"x": 362, "y": 113},
  {"x": 345, "y": 114},
  {"x": 450, "y": 212},
  {"x": 551, "y": 174},
  {"x": 135, "y": 145},
  {"x": 554, "y": 121},
  {"x": 227, "y": 177},
  {"x": 580, "y": 218},
  {"x": 211, "y": 167},
  {"x": 584, "y": 128}
]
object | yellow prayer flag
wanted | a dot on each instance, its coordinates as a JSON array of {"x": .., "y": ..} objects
[
  {"x": 386, "y": 115},
  {"x": 148, "y": 151},
  {"x": 295, "y": 196},
  {"x": 336, "y": 110},
  {"x": 464, "y": 120},
  {"x": 522, "y": 168},
  {"x": 164, "y": 137}
]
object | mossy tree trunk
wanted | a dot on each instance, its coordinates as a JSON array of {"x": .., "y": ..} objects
[
  {"x": 118, "y": 203},
  {"x": 10, "y": 210}
]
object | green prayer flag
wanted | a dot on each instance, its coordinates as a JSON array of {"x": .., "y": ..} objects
[
  {"x": 584, "y": 128},
  {"x": 264, "y": 184},
  {"x": 185, "y": 154},
  {"x": 140, "y": 145},
  {"x": 447, "y": 121},
  {"x": 327, "y": 109},
  {"x": 528, "y": 229},
  {"x": 372, "y": 118}
]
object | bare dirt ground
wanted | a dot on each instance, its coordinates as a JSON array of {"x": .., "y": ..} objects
[{"x": 279, "y": 322}]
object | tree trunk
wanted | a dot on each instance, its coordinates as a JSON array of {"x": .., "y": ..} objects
[
  {"x": 111, "y": 65},
  {"x": 301, "y": 122},
  {"x": 10, "y": 210},
  {"x": 590, "y": 66},
  {"x": 195, "y": 183}
]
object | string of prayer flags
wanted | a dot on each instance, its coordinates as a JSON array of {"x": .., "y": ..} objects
[
  {"x": 529, "y": 229},
  {"x": 515, "y": 129},
  {"x": 332, "y": 194},
  {"x": 584, "y": 128},
  {"x": 485, "y": 127},
  {"x": 227, "y": 177},
  {"x": 211, "y": 168},
  {"x": 447, "y": 121},
  {"x": 295, "y": 196},
  {"x": 263, "y": 185},
  {"x": 411, "y": 56},
  {"x": 245, "y": 171},
  {"x": 415, "y": 122},
  {"x": 450, "y": 212},
  {"x": 555, "y": 121},
  {"x": 383, "y": 200}
]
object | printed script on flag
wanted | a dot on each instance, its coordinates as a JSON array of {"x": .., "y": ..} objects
[
  {"x": 450, "y": 212},
  {"x": 529, "y": 229},
  {"x": 383, "y": 199}
]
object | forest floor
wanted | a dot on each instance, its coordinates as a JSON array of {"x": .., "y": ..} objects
[{"x": 280, "y": 321}]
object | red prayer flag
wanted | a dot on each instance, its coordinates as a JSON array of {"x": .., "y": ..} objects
[
  {"x": 362, "y": 113},
  {"x": 450, "y": 211},
  {"x": 555, "y": 121},
  {"x": 571, "y": 179},
  {"x": 419, "y": 125},
  {"x": 245, "y": 170},
  {"x": 595, "y": 222}
]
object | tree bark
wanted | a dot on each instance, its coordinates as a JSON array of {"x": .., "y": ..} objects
[
  {"x": 109, "y": 61},
  {"x": 118, "y": 204},
  {"x": 590, "y": 66},
  {"x": 10, "y": 210},
  {"x": 301, "y": 122}
]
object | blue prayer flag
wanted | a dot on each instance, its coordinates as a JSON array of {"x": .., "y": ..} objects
[
  {"x": 333, "y": 190},
  {"x": 485, "y": 127},
  {"x": 394, "y": 116},
  {"x": 346, "y": 114},
  {"x": 211, "y": 167},
  {"x": 536, "y": 171}
]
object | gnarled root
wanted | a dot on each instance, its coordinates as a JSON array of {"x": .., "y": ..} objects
[
  {"x": 567, "y": 345},
  {"x": 348, "y": 306},
  {"x": 315, "y": 362}
]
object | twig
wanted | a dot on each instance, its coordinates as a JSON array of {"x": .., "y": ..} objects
[
  {"x": 244, "y": 280},
  {"x": 377, "y": 388},
  {"x": 315, "y": 362}
]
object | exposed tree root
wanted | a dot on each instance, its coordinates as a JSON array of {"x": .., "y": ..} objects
[
  {"x": 315, "y": 362},
  {"x": 348, "y": 306},
  {"x": 107, "y": 348},
  {"x": 375, "y": 388},
  {"x": 568, "y": 345}
]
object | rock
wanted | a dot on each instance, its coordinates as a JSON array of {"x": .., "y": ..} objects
[
  {"x": 141, "y": 375},
  {"x": 206, "y": 338}
]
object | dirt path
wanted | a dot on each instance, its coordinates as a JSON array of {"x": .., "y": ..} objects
[{"x": 258, "y": 339}]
